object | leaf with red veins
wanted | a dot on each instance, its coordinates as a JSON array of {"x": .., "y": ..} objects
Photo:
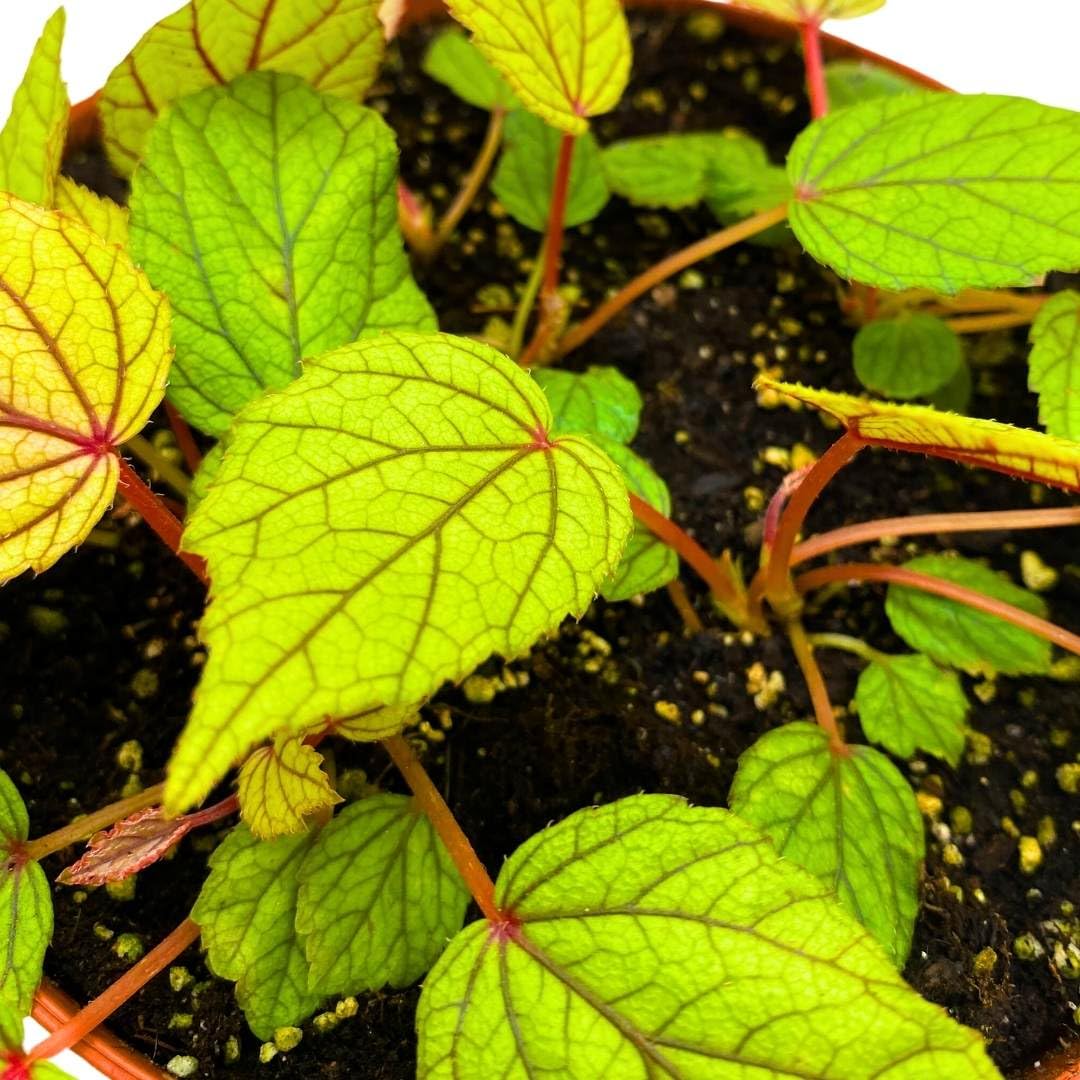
[{"x": 84, "y": 354}]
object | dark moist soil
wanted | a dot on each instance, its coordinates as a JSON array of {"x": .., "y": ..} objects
[{"x": 101, "y": 650}]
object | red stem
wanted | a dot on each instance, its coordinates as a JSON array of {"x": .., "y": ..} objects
[
  {"x": 157, "y": 516},
  {"x": 815, "y": 68},
  {"x": 557, "y": 216},
  {"x": 106, "y": 1003},
  {"x": 184, "y": 439},
  {"x": 898, "y": 575}
]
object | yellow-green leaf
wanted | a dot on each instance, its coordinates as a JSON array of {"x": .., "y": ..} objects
[
  {"x": 32, "y": 140},
  {"x": 279, "y": 785},
  {"x": 567, "y": 60},
  {"x": 84, "y": 354},
  {"x": 1054, "y": 366},
  {"x": 940, "y": 191},
  {"x": 426, "y": 518},
  {"x": 336, "y": 45},
  {"x": 987, "y": 444},
  {"x": 99, "y": 214},
  {"x": 814, "y": 10}
]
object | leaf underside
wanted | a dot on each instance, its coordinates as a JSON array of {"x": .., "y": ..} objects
[
  {"x": 986, "y": 444},
  {"x": 940, "y": 191},
  {"x": 1055, "y": 364},
  {"x": 426, "y": 521},
  {"x": 84, "y": 353},
  {"x": 336, "y": 45},
  {"x": 565, "y": 59},
  {"x": 267, "y": 212},
  {"x": 379, "y": 898},
  {"x": 908, "y": 357},
  {"x": 958, "y": 635},
  {"x": 654, "y": 939},
  {"x": 851, "y": 821}
]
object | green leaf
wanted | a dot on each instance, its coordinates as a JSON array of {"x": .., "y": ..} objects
[
  {"x": 268, "y": 214},
  {"x": 655, "y": 939},
  {"x": 46, "y": 1070},
  {"x": 206, "y": 474},
  {"x": 11, "y": 1028},
  {"x": 955, "y": 395},
  {"x": 940, "y": 191},
  {"x": 600, "y": 401},
  {"x": 851, "y": 820},
  {"x": 99, "y": 214},
  {"x": 335, "y": 45},
  {"x": 32, "y": 140},
  {"x": 908, "y": 357},
  {"x": 955, "y": 634},
  {"x": 84, "y": 356},
  {"x": 908, "y": 703},
  {"x": 646, "y": 562},
  {"x": 1054, "y": 372},
  {"x": 526, "y": 172},
  {"x": 817, "y": 10},
  {"x": 566, "y": 59},
  {"x": 26, "y": 915},
  {"x": 379, "y": 898},
  {"x": 431, "y": 522},
  {"x": 246, "y": 911},
  {"x": 850, "y": 82},
  {"x": 457, "y": 63}
]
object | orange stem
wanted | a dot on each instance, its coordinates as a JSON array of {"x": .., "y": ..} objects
[
  {"x": 681, "y": 602},
  {"x": 815, "y": 682},
  {"x": 106, "y": 1003},
  {"x": 926, "y": 524},
  {"x": 473, "y": 182},
  {"x": 455, "y": 841},
  {"x": 849, "y": 573},
  {"x": 978, "y": 324},
  {"x": 184, "y": 438},
  {"x": 810, "y": 31},
  {"x": 664, "y": 269}
]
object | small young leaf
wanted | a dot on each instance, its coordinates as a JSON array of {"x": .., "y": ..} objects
[
  {"x": 651, "y": 938},
  {"x": 84, "y": 352},
  {"x": 526, "y": 171},
  {"x": 987, "y": 444},
  {"x": 908, "y": 703},
  {"x": 457, "y": 63},
  {"x": 647, "y": 563},
  {"x": 850, "y": 82},
  {"x": 129, "y": 846},
  {"x": 267, "y": 213},
  {"x": 32, "y": 140},
  {"x": 908, "y": 357},
  {"x": 817, "y": 10},
  {"x": 429, "y": 522},
  {"x": 566, "y": 59},
  {"x": 279, "y": 785},
  {"x": 1055, "y": 364},
  {"x": 601, "y": 401},
  {"x": 953, "y": 633},
  {"x": 850, "y": 820},
  {"x": 100, "y": 215},
  {"x": 336, "y": 45},
  {"x": 26, "y": 915},
  {"x": 379, "y": 898},
  {"x": 940, "y": 191},
  {"x": 246, "y": 911}
]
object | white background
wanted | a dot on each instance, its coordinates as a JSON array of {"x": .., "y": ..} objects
[{"x": 971, "y": 45}]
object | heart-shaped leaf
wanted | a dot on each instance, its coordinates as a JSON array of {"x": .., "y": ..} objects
[
  {"x": 267, "y": 212},
  {"x": 246, "y": 912},
  {"x": 526, "y": 172},
  {"x": 987, "y": 444},
  {"x": 953, "y": 633},
  {"x": 649, "y": 938},
  {"x": 429, "y": 522},
  {"x": 457, "y": 63},
  {"x": 1054, "y": 372},
  {"x": 336, "y": 45},
  {"x": 940, "y": 191},
  {"x": 99, "y": 214},
  {"x": 850, "y": 82},
  {"x": 279, "y": 785},
  {"x": 32, "y": 140},
  {"x": 379, "y": 898},
  {"x": 908, "y": 703},
  {"x": 600, "y": 401},
  {"x": 84, "y": 353},
  {"x": 850, "y": 819},
  {"x": 907, "y": 357},
  {"x": 566, "y": 59},
  {"x": 26, "y": 915}
]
